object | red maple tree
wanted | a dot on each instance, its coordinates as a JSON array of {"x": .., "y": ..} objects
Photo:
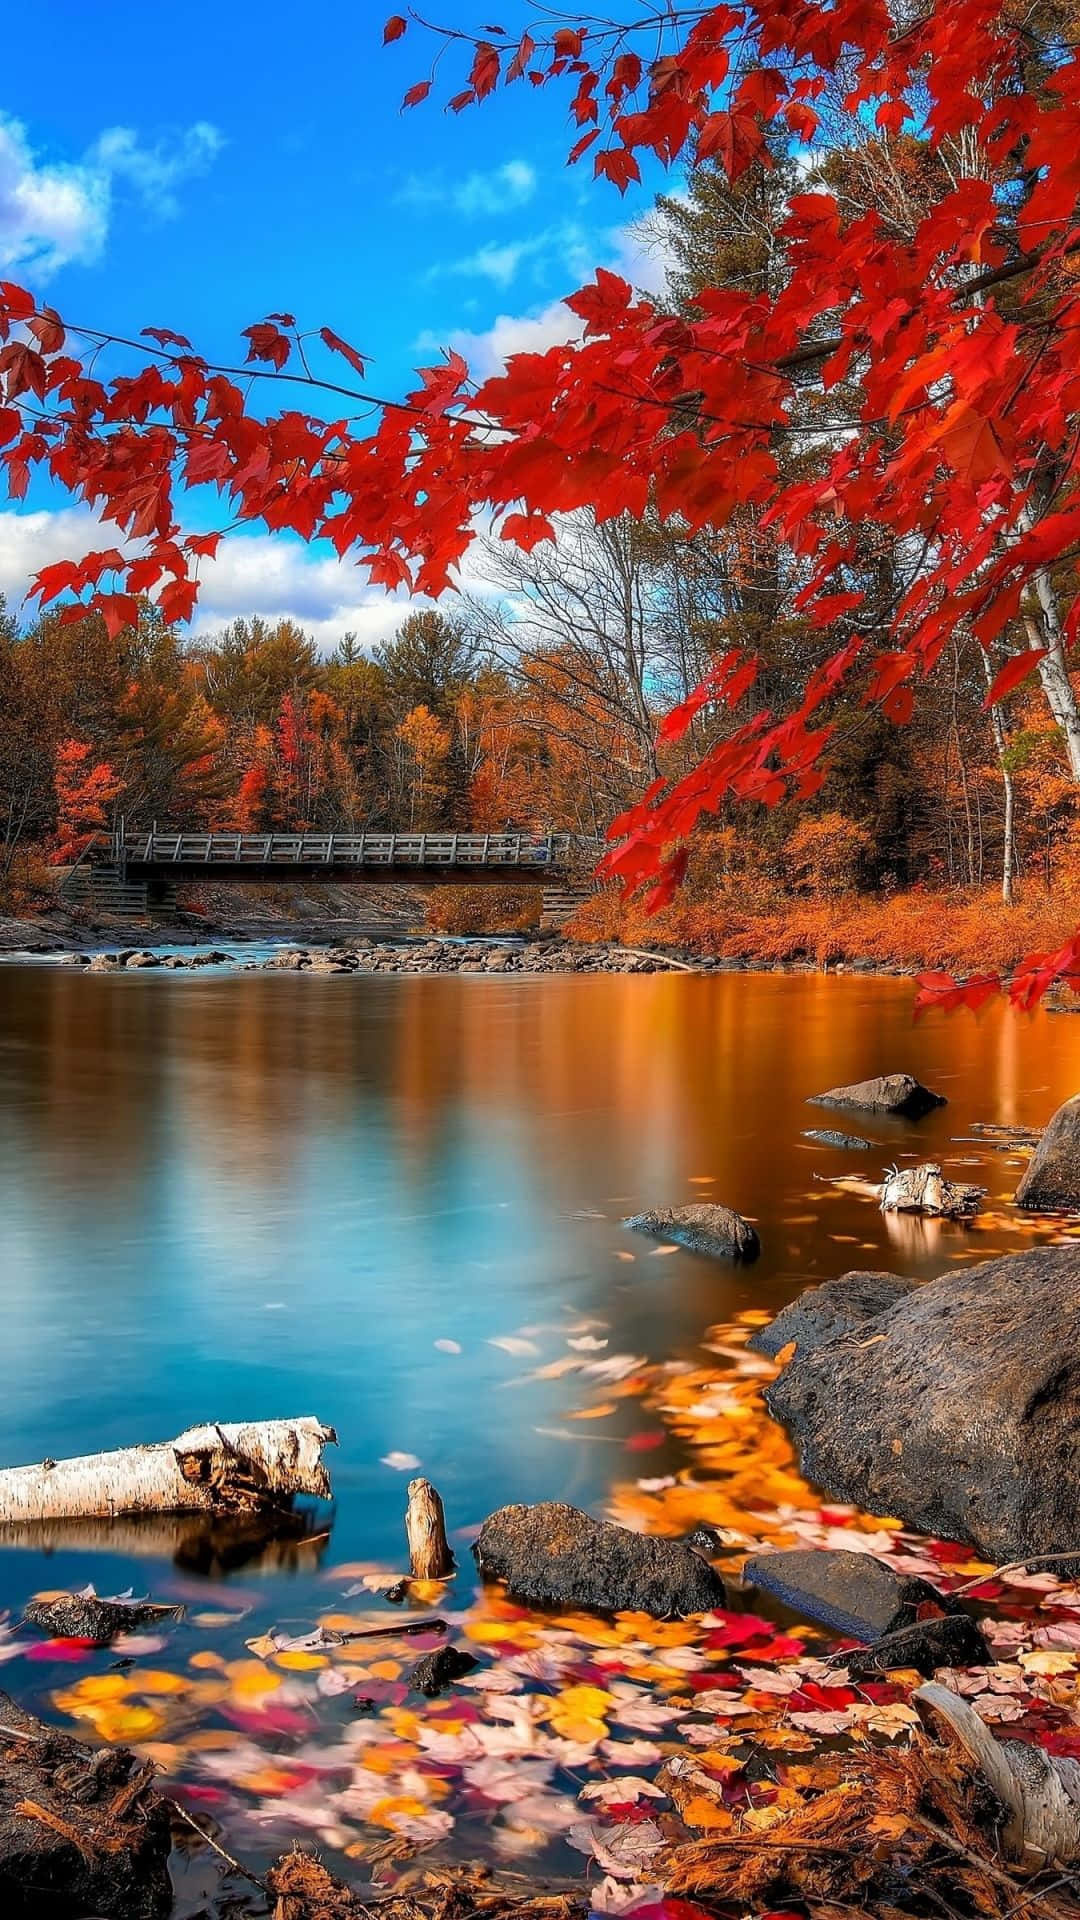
[{"x": 960, "y": 335}]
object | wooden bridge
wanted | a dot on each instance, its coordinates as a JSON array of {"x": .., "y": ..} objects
[{"x": 134, "y": 871}]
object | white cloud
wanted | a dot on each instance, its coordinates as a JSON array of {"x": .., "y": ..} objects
[
  {"x": 56, "y": 212},
  {"x": 488, "y": 352},
  {"x": 281, "y": 579},
  {"x": 506, "y": 187},
  {"x": 256, "y": 573},
  {"x": 634, "y": 251},
  {"x": 155, "y": 172},
  {"x": 490, "y": 263}
]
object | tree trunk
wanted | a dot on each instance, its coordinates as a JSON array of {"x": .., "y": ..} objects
[
  {"x": 237, "y": 1469},
  {"x": 1043, "y": 624},
  {"x": 1001, "y": 744}
]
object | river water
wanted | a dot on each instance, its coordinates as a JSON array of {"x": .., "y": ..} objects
[{"x": 392, "y": 1202}]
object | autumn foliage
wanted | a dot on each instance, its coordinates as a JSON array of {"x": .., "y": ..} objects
[{"x": 922, "y": 362}]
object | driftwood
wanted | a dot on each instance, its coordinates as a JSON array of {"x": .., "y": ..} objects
[
  {"x": 82, "y": 1831},
  {"x": 217, "y": 1469},
  {"x": 303, "y": 1889},
  {"x": 425, "y": 1525},
  {"x": 925, "y": 1189},
  {"x": 1040, "y": 1791}
]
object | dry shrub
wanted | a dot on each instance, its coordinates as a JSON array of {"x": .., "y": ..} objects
[
  {"x": 963, "y": 930},
  {"x": 826, "y": 855},
  {"x": 484, "y": 909}
]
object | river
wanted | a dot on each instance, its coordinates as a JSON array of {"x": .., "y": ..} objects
[{"x": 392, "y": 1202}]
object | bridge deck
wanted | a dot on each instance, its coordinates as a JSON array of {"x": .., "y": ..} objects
[{"x": 474, "y": 857}]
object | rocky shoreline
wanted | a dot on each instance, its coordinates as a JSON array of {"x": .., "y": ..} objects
[{"x": 410, "y": 957}]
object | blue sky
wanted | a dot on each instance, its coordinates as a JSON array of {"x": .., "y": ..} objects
[{"x": 199, "y": 169}]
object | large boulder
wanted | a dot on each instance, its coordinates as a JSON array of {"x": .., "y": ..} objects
[
  {"x": 553, "y": 1555},
  {"x": 718, "y": 1231},
  {"x": 956, "y": 1408},
  {"x": 897, "y": 1093},
  {"x": 1052, "y": 1179},
  {"x": 824, "y": 1313}
]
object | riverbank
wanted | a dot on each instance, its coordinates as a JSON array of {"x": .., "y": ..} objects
[{"x": 961, "y": 931}]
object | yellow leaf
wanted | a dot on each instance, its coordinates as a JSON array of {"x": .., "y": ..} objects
[{"x": 702, "y": 1812}]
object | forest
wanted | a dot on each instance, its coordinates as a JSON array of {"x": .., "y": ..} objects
[{"x": 607, "y": 650}]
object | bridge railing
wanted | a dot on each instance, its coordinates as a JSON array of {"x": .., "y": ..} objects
[{"x": 524, "y": 850}]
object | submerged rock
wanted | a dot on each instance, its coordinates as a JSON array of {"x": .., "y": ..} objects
[
  {"x": 902, "y": 1622},
  {"x": 956, "y": 1407},
  {"x": 898, "y": 1093},
  {"x": 1052, "y": 1180},
  {"x": 825, "y": 1313},
  {"x": 852, "y": 1593},
  {"x": 718, "y": 1231},
  {"x": 828, "y": 1137},
  {"x": 83, "y": 1616},
  {"x": 434, "y": 1672},
  {"x": 552, "y": 1555}
]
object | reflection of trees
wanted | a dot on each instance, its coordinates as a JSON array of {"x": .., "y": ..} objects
[{"x": 255, "y": 1086}]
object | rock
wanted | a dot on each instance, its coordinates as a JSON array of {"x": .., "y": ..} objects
[
  {"x": 925, "y": 1189},
  {"x": 144, "y": 960},
  {"x": 852, "y": 1593},
  {"x": 714, "y": 1230},
  {"x": 961, "y": 1414},
  {"x": 434, "y": 1672},
  {"x": 826, "y": 1137},
  {"x": 1052, "y": 1180},
  {"x": 950, "y": 1640},
  {"x": 897, "y": 1093},
  {"x": 905, "y": 1623},
  {"x": 828, "y": 1312},
  {"x": 106, "y": 963},
  {"x": 553, "y": 1555},
  {"x": 83, "y": 1616}
]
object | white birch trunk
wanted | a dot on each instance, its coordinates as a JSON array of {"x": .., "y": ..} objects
[{"x": 213, "y": 1469}]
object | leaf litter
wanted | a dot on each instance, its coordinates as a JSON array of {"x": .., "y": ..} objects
[{"x": 721, "y": 1759}]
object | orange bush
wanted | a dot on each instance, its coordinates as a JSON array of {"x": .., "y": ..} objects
[
  {"x": 484, "y": 909},
  {"x": 963, "y": 931}
]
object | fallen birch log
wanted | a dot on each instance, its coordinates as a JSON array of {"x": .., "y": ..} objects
[{"x": 215, "y": 1469}]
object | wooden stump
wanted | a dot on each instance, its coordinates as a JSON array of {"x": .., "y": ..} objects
[{"x": 425, "y": 1524}]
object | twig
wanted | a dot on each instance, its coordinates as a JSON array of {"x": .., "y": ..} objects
[
  {"x": 237, "y": 1867},
  {"x": 982, "y": 1865},
  {"x": 399, "y": 1627},
  {"x": 1016, "y": 1566}
]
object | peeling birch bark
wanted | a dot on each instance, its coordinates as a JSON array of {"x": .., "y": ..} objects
[
  {"x": 212, "y": 1469},
  {"x": 1039, "y": 1791}
]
